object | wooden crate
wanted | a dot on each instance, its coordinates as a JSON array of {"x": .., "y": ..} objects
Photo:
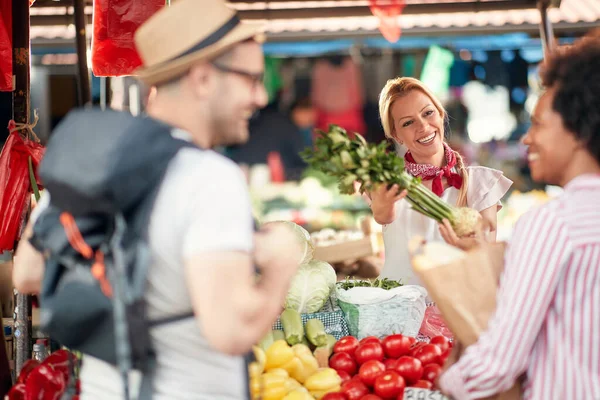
[{"x": 349, "y": 250}]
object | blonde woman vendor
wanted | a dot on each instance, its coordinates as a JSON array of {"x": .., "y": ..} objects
[{"x": 413, "y": 117}]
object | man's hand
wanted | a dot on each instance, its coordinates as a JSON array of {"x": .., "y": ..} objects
[{"x": 277, "y": 243}]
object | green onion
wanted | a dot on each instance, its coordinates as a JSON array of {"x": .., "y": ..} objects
[{"x": 355, "y": 160}]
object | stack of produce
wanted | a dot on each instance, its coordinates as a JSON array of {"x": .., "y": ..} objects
[
  {"x": 374, "y": 369},
  {"x": 285, "y": 372},
  {"x": 314, "y": 281},
  {"x": 312, "y": 335}
]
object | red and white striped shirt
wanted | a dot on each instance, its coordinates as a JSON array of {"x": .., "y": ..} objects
[{"x": 547, "y": 320}]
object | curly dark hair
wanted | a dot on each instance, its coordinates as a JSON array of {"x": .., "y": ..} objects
[{"x": 574, "y": 72}]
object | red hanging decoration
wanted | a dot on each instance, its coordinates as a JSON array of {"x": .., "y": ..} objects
[
  {"x": 6, "y": 46},
  {"x": 115, "y": 22},
  {"x": 388, "y": 11},
  {"x": 15, "y": 184}
]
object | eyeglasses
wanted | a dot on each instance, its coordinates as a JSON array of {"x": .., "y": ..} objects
[{"x": 255, "y": 78}]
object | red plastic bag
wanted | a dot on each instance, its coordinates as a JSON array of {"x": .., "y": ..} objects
[
  {"x": 115, "y": 22},
  {"x": 434, "y": 325},
  {"x": 15, "y": 184},
  {"x": 6, "y": 46}
]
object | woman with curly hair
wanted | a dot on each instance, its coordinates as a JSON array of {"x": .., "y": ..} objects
[
  {"x": 413, "y": 117},
  {"x": 546, "y": 327}
]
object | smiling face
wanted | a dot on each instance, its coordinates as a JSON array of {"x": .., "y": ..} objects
[
  {"x": 419, "y": 125},
  {"x": 236, "y": 95},
  {"x": 551, "y": 146}
]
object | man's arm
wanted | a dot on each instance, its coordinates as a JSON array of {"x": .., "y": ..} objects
[
  {"x": 539, "y": 250},
  {"x": 234, "y": 309},
  {"x": 28, "y": 265}
]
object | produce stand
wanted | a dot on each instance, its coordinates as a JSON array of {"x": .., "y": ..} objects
[{"x": 21, "y": 110}]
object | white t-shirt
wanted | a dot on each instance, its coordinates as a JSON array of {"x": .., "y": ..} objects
[
  {"x": 486, "y": 187},
  {"x": 203, "y": 205}
]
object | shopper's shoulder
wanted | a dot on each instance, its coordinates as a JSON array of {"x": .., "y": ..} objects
[
  {"x": 548, "y": 212},
  {"x": 195, "y": 163}
]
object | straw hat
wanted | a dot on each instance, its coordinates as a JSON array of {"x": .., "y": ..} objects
[{"x": 188, "y": 31}]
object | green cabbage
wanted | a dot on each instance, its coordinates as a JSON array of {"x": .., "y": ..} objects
[{"x": 311, "y": 287}]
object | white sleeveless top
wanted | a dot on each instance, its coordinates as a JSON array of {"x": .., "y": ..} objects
[{"x": 486, "y": 187}]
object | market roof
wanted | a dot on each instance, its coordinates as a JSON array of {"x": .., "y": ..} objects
[{"x": 294, "y": 19}]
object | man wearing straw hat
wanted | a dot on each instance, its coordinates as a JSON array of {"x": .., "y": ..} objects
[{"x": 207, "y": 68}]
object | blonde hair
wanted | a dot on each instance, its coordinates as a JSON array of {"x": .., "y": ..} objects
[{"x": 400, "y": 87}]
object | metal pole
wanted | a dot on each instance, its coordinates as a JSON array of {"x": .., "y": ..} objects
[
  {"x": 83, "y": 75},
  {"x": 104, "y": 92},
  {"x": 21, "y": 105},
  {"x": 546, "y": 30}
]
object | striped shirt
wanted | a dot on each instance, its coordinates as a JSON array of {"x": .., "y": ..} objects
[{"x": 546, "y": 327}]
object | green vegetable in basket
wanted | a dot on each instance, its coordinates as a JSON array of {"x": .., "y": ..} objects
[
  {"x": 311, "y": 287},
  {"x": 292, "y": 326},
  {"x": 315, "y": 332},
  {"x": 278, "y": 335},
  {"x": 323, "y": 353},
  {"x": 267, "y": 341},
  {"x": 384, "y": 283}
]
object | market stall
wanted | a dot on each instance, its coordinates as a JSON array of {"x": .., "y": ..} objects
[{"x": 380, "y": 328}]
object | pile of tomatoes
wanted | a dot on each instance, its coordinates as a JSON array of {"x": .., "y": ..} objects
[{"x": 374, "y": 369}]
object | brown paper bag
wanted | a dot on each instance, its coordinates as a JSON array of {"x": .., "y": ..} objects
[{"x": 464, "y": 289}]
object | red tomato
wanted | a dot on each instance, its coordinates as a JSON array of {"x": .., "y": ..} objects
[
  {"x": 343, "y": 362},
  {"x": 354, "y": 390},
  {"x": 371, "y": 397},
  {"x": 441, "y": 342},
  {"x": 370, "y": 339},
  {"x": 396, "y": 345},
  {"x": 389, "y": 385},
  {"x": 409, "y": 368},
  {"x": 344, "y": 376},
  {"x": 334, "y": 396},
  {"x": 416, "y": 346},
  {"x": 368, "y": 351},
  {"x": 390, "y": 363},
  {"x": 429, "y": 354},
  {"x": 422, "y": 384},
  {"x": 431, "y": 372},
  {"x": 347, "y": 344},
  {"x": 370, "y": 370},
  {"x": 445, "y": 355}
]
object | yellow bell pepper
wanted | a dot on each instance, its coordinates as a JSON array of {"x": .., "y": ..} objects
[
  {"x": 273, "y": 386},
  {"x": 259, "y": 354},
  {"x": 279, "y": 372},
  {"x": 324, "y": 380},
  {"x": 298, "y": 395},
  {"x": 292, "y": 384},
  {"x": 308, "y": 361},
  {"x": 319, "y": 394},
  {"x": 255, "y": 370},
  {"x": 293, "y": 367},
  {"x": 278, "y": 354},
  {"x": 255, "y": 388}
]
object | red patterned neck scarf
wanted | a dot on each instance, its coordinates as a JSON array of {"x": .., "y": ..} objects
[{"x": 431, "y": 172}]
